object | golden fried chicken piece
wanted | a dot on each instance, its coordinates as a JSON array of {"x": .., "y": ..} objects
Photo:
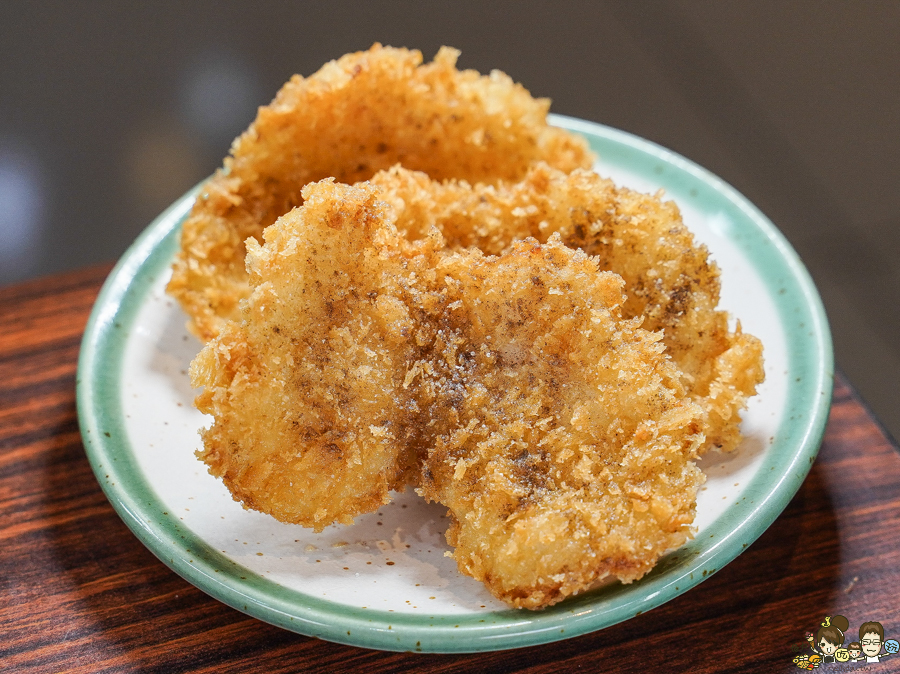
[
  {"x": 561, "y": 437},
  {"x": 364, "y": 112},
  {"x": 307, "y": 390},
  {"x": 556, "y": 432},
  {"x": 669, "y": 278}
]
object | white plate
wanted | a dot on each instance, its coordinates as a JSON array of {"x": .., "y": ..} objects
[{"x": 384, "y": 582}]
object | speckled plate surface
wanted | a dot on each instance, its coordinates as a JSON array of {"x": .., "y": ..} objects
[{"x": 384, "y": 582}]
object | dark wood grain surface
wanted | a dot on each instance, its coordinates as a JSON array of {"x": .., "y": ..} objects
[{"x": 81, "y": 594}]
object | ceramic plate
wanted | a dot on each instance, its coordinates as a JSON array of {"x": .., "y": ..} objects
[{"x": 384, "y": 582}]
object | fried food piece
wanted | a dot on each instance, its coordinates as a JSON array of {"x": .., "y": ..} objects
[
  {"x": 561, "y": 437},
  {"x": 669, "y": 279},
  {"x": 307, "y": 391},
  {"x": 556, "y": 432},
  {"x": 361, "y": 113}
]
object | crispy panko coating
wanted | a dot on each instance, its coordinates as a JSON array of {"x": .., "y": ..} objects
[
  {"x": 357, "y": 115},
  {"x": 561, "y": 438},
  {"x": 508, "y": 387},
  {"x": 669, "y": 279},
  {"x": 307, "y": 391},
  {"x": 485, "y": 319}
]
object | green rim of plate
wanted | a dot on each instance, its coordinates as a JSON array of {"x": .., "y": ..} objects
[{"x": 784, "y": 467}]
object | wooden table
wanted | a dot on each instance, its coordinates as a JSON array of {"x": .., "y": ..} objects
[{"x": 81, "y": 594}]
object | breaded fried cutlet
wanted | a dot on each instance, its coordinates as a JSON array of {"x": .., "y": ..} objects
[
  {"x": 560, "y": 437},
  {"x": 509, "y": 388},
  {"x": 670, "y": 280},
  {"x": 364, "y": 112},
  {"x": 307, "y": 389}
]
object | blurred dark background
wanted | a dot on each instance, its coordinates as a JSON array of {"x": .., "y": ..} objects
[{"x": 111, "y": 110}]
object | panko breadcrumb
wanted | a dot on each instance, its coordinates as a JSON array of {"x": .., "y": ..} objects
[
  {"x": 357, "y": 115},
  {"x": 670, "y": 280}
]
